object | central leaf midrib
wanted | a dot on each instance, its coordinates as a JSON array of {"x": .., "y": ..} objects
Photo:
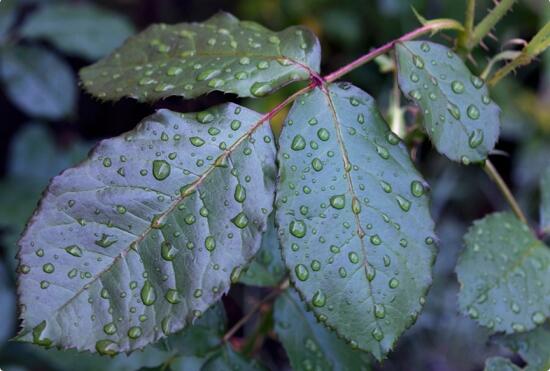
[
  {"x": 192, "y": 187},
  {"x": 343, "y": 151}
]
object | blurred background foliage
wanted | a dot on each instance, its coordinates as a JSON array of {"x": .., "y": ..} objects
[{"x": 48, "y": 124}]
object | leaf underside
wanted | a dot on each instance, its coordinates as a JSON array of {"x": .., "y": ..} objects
[
  {"x": 309, "y": 344},
  {"x": 504, "y": 273},
  {"x": 353, "y": 218},
  {"x": 267, "y": 268},
  {"x": 458, "y": 115},
  {"x": 191, "y": 59},
  {"x": 141, "y": 238},
  {"x": 500, "y": 364}
]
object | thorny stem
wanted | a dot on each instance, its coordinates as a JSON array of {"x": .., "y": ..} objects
[
  {"x": 430, "y": 27},
  {"x": 229, "y": 334},
  {"x": 495, "y": 176},
  {"x": 486, "y": 25},
  {"x": 464, "y": 37}
]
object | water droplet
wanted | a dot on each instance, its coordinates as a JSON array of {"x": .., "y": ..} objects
[
  {"x": 241, "y": 220},
  {"x": 415, "y": 94},
  {"x": 414, "y": 77},
  {"x": 74, "y": 250},
  {"x": 38, "y": 335},
  {"x": 298, "y": 143},
  {"x": 476, "y": 82},
  {"x": 174, "y": 71},
  {"x": 148, "y": 295},
  {"x": 301, "y": 272},
  {"x": 418, "y": 61},
  {"x": 375, "y": 240},
  {"x": 315, "y": 265},
  {"x": 210, "y": 243},
  {"x": 379, "y": 311},
  {"x": 370, "y": 272},
  {"x": 355, "y": 206},
  {"x": 393, "y": 283},
  {"x": 172, "y": 296},
  {"x": 473, "y": 112},
  {"x": 161, "y": 169},
  {"x": 48, "y": 268},
  {"x": 106, "y": 347},
  {"x": 323, "y": 134},
  {"x": 317, "y": 164},
  {"x": 475, "y": 138},
  {"x": 208, "y": 74},
  {"x": 515, "y": 307},
  {"x": 205, "y": 117},
  {"x": 240, "y": 193},
  {"x": 134, "y": 332},
  {"x": 338, "y": 201},
  {"x": 453, "y": 110},
  {"x": 377, "y": 334},
  {"x": 417, "y": 188},
  {"x": 319, "y": 299},
  {"x": 110, "y": 328},
  {"x": 353, "y": 257},
  {"x": 403, "y": 203},
  {"x": 425, "y": 47},
  {"x": 465, "y": 160},
  {"x": 538, "y": 318},
  {"x": 298, "y": 228},
  {"x": 261, "y": 89},
  {"x": 382, "y": 152},
  {"x": 457, "y": 87},
  {"x": 168, "y": 251}
]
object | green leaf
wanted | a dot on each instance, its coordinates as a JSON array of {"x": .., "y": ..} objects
[
  {"x": 137, "y": 241},
  {"x": 309, "y": 345},
  {"x": 545, "y": 201},
  {"x": 227, "y": 359},
  {"x": 532, "y": 346},
  {"x": 267, "y": 268},
  {"x": 78, "y": 29},
  {"x": 504, "y": 273},
  {"x": 458, "y": 115},
  {"x": 191, "y": 59},
  {"x": 38, "y": 82},
  {"x": 500, "y": 364},
  {"x": 353, "y": 217}
]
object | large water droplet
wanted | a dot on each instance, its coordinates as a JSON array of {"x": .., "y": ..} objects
[
  {"x": 472, "y": 111},
  {"x": 240, "y": 193},
  {"x": 210, "y": 243},
  {"x": 241, "y": 220},
  {"x": 301, "y": 272},
  {"x": 453, "y": 110},
  {"x": 319, "y": 299},
  {"x": 403, "y": 203},
  {"x": 377, "y": 334},
  {"x": 172, "y": 296},
  {"x": 148, "y": 295},
  {"x": 261, "y": 89},
  {"x": 338, "y": 201},
  {"x": 323, "y": 134},
  {"x": 475, "y": 138},
  {"x": 457, "y": 87},
  {"x": 298, "y": 228},
  {"x": 106, "y": 347},
  {"x": 168, "y": 251},
  {"x": 417, "y": 188},
  {"x": 134, "y": 332},
  {"x": 379, "y": 311},
  {"x": 110, "y": 328},
  {"x": 298, "y": 143},
  {"x": 74, "y": 250},
  {"x": 161, "y": 169}
]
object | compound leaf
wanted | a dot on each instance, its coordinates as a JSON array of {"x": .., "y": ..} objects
[
  {"x": 141, "y": 238},
  {"x": 504, "y": 273},
  {"x": 532, "y": 346},
  {"x": 353, "y": 217},
  {"x": 545, "y": 201},
  {"x": 267, "y": 268},
  {"x": 458, "y": 115},
  {"x": 38, "y": 82},
  {"x": 79, "y": 29},
  {"x": 310, "y": 345},
  {"x": 191, "y": 59}
]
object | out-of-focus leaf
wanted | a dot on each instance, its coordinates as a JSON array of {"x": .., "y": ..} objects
[
  {"x": 227, "y": 359},
  {"x": 191, "y": 59},
  {"x": 500, "y": 364},
  {"x": 38, "y": 82},
  {"x": 7, "y": 306},
  {"x": 532, "y": 346},
  {"x": 7, "y": 16},
  {"x": 33, "y": 160},
  {"x": 151, "y": 226},
  {"x": 458, "y": 115},
  {"x": 545, "y": 200},
  {"x": 353, "y": 217},
  {"x": 504, "y": 273},
  {"x": 267, "y": 268},
  {"x": 310, "y": 345},
  {"x": 80, "y": 29}
]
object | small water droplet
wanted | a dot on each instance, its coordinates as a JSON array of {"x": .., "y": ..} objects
[
  {"x": 475, "y": 138},
  {"x": 74, "y": 250},
  {"x": 148, "y": 295},
  {"x": 319, "y": 299},
  {"x": 298, "y": 228},
  {"x": 301, "y": 272},
  {"x": 472, "y": 111},
  {"x": 457, "y": 87},
  {"x": 298, "y": 143}
]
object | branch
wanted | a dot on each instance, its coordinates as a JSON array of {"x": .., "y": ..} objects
[
  {"x": 495, "y": 177},
  {"x": 229, "y": 334}
]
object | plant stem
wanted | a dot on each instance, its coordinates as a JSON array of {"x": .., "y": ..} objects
[
  {"x": 495, "y": 176},
  {"x": 464, "y": 37},
  {"x": 485, "y": 26},
  {"x": 429, "y": 27},
  {"x": 229, "y": 334}
]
